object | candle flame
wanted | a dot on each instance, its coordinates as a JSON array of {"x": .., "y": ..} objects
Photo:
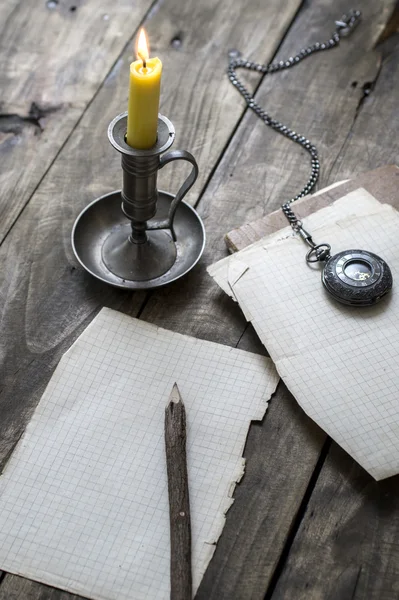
[{"x": 142, "y": 47}]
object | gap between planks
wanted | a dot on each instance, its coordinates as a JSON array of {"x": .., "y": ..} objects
[{"x": 298, "y": 519}]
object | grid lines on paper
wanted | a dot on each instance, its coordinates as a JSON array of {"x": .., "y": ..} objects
[
  {"x": 83, "y": 499},
  {"x": 340, "y": 362}
]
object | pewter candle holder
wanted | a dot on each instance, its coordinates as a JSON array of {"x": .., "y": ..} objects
[{"x": 140, "y": 237}]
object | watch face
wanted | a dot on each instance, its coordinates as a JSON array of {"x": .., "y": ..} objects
[
  {"x": 358, "y": 270},
  {"x": 357, "y": 277}
]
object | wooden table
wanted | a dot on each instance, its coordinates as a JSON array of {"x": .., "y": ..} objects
[{"x": 307, "y": 522}]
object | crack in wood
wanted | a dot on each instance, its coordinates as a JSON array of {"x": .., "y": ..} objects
[
  {"x": 367, "y": 88},
  {"x": 296, "y": 523},
  {"x": 15, "y": 123},
  {"x": 356, "y": 583}
]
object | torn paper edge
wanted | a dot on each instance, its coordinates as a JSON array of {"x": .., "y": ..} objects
[{"x": 364, "y": 204}]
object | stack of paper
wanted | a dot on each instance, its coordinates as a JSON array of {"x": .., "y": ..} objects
[{"x": 340, "y": 362}]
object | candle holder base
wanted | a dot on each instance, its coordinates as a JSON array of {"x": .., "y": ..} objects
[
  {"x": 101, "y": 242},
  {"x": 138, "y": 262}
]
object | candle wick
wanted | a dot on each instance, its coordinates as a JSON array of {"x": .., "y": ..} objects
[{"x": 143, "y": 59}]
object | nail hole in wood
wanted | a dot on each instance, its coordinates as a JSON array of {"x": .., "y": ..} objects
[
  {"x": 72, "y": 8},
  {"x": 354, "y": 84},
  {"x": 177, "y": 41}
]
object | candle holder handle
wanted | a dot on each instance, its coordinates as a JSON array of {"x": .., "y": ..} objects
[{"x": 184, "y": 188}]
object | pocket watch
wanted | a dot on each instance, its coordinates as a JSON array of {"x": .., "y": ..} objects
[{"x": 353, "y": 277}]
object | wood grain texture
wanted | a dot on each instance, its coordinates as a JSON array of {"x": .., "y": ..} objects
[
  {"x": 193, "y": 39},
  {"x": 392, "y": 25},
  {"x": 16, "y": 588},
  {"x": 45, "y": 300},
  {"x": 39, "y": 107},
  {"x": 346, "y": 547},
  {"x": 52, "y": 62},
  {"x": 179, "y": 500},
  {"x": 382, "y": 183},
  {"x": 319, "y": 97},
  {"x": 373, "y": 141}
]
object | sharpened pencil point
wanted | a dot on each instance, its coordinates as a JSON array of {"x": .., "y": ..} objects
[{"x": 175, "y": 396}]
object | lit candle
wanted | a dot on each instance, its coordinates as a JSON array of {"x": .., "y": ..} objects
[{"x": 144, "y": 90}]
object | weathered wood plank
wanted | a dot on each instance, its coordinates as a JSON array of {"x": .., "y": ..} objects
[
  {"x": 53, "y": 58},
  {"x": 382, "y": 183},
  {"x": 16, "y": 588},
  {"x": 46, "y": 301},
  {"x": 320, "y": 97},
  {"x": 372, "y": 141},
  {"x": 347, "y": 545}
]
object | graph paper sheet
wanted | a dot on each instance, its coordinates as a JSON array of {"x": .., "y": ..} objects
[
  {"x": 356, "y": 203},
  {"x": 341, "y": 363},
  {"x": 83, "y": 499}
]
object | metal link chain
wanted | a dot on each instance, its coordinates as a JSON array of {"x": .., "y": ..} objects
[{"x": 343, "y": 28}]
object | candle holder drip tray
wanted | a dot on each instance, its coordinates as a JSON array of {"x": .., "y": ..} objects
[{"x": 140, "y": 237}]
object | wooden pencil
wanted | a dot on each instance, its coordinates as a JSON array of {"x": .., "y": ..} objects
[{"x": 179, "y": 504}]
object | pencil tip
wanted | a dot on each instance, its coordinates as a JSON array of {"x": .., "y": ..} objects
[{"x": 175, "y": 395}]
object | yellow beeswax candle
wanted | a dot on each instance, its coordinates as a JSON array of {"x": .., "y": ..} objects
[{"x": 144, "y": 90}]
